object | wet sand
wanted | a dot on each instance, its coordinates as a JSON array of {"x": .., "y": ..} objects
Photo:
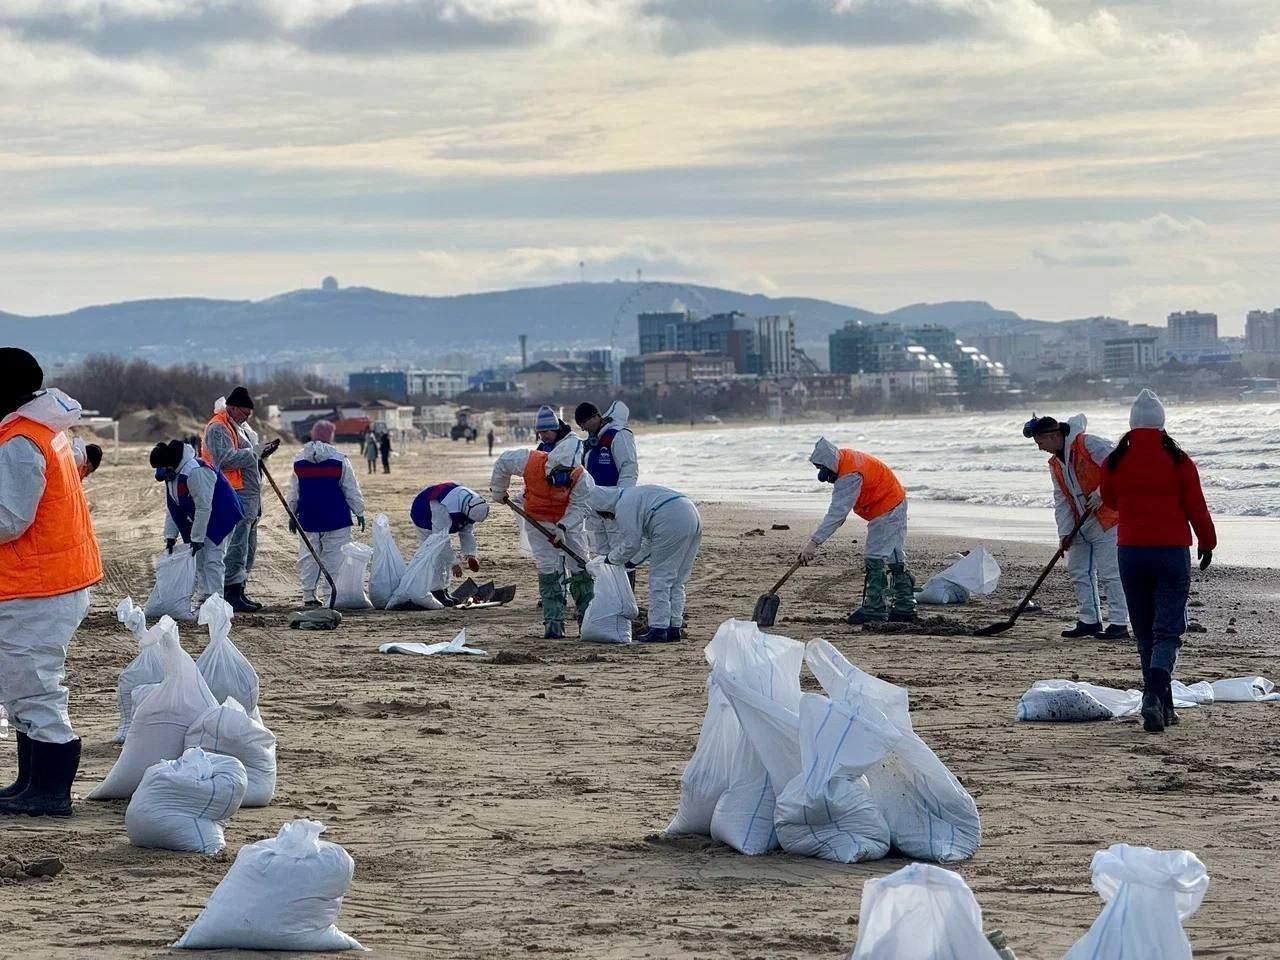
[{"x": 514, "y": 808}]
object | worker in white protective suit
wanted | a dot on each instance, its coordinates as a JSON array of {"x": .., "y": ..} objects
[
  {"x": 865, "y": 485},
  {"x": 1075, "y": 464},
  {"x": 609, "y": 454},
  {"x": 557, "y": 495},
  {"x": 324, "y": 495},
  {"x": 661, "y": 527},
  {"x": 48, "y": 561},
  {"x": 457, "y": 509}
]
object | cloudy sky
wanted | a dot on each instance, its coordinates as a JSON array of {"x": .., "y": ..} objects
[{"x": 1056, "y": 157}]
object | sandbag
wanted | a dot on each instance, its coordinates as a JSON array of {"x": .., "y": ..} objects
[
  {"x": 175, "y": 583},
  {"x": 1148, "y": 894},
  {"x": 161, "y": 721},
  {"x": 184, "y": 804},
  {"x": 351, "y": 576},
  {"x": 1076, "y": 701},
  {"x": 388, "y": 563},
  {"x": 140, "y": 694},
  {"x": 707, "y": 774},
  {"x": 229, "y": 730},
  {"x": 225, "y": 669},
  {"x": 922, "y": 912},
  {"x": 427, "y": 571},
  {"x": 975, "y": 573},
  {"x": 145, "y": 668},
  {"x": 283, "y": 893},
  {"x": 1244, "y": 690},
  {"x": 613, "y": 606}
]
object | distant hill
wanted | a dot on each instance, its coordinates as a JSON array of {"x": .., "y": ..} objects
[{"x": 360, "y": 324}]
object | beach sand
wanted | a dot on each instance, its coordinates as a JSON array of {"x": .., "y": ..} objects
[{"x": 514, "y": 807}]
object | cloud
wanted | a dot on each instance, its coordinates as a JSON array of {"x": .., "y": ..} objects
[{"x": 1119, "y": 243}]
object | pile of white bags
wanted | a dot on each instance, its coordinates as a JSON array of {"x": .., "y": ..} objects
[
  {"x": 975, "y": 573},
  {"x": 388, "y": 563},
  {"x": 225, "y": 669},
  {"x": 351, "y": 576},
  {"x": 427, "y": 571},
  {"x": 230, "y": 731},
  {"x": 1148, "y": 893},
  {"x": 613, "y": 606},
  {"x": 1075, "y": 701},
  {"x": 143, "y": 669},
  {"x": 283, "y": 893},
  {"x": 175, "y": 583},
  {"x": 161, "y": 721},
  {"x": 922, "y": 912},
  {"x": 184, "y": 804}
]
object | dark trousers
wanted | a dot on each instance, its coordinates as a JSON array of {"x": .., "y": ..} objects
[
  {"x": 1156, "y": 583},
  {"x": 386, "y": 461}
]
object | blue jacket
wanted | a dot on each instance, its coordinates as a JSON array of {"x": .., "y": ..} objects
[{"x": 226, "y": 511}]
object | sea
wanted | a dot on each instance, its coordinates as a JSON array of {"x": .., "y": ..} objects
[{"x": 975, "y": 475}]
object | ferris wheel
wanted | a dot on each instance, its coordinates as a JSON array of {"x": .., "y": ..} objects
[{"x": 654, "y": 295}]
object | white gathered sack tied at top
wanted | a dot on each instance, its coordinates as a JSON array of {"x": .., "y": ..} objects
[
  {"x": 613, "y": 606},
  {"x": 1148, "y": 894},
  {"x": 976, "y": 574},
  {"x": 160, "y": 722},
  {"x": 175, "y": 583},
  {"x": 225, "y": 669},
  {"x": 351, "y": 577},
  {"x": 184, "y": 804},
  {"x": 1075, "y": 701},
  {"x": 457, "y": 645},
  {"x": 388, "y": 563},
  {"x": 229, "y": 730},
  {"x": 145, "y": 668},
  {"x": 283, "y": 893},
  {"x": 427, "y": 571},
  {"x": 923, "y": 912}
]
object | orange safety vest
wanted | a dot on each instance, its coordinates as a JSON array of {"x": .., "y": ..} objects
[
  {"x": 58, "y": 553},
  {"x": 881, "y": 491},
  {"x": 233, "y": 474},
  {"x": 1088, "y": 475},
  {"x": 542, "y": 501}
]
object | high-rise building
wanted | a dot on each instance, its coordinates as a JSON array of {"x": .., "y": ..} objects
[
  {"x": 775, "y": 345},
  {"x": 1262, "y": 331},
  {"x": 1192, "y": 334},
  {"x": 859, "y": 348},
  {"x": 764, "y": 346},
  {"x": 1126, "y": 356}
]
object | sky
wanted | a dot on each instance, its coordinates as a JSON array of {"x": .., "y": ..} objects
[{"x": 1060, "y": 158}]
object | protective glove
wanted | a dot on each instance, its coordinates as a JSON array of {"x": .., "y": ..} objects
[
  {"x": 1094, "y": 501},
  {"x": 268, "y": 449},
  {"x": 360, "y": 521},
  {"x": 169, "y": 544},
  {"x": 1066, "y": 542},
  {"x": 473, "y": 564},
  {"x": 557, "y": 536},
  {"x": 809, "y": 552},
  {"x": 457, "y": 569},
  {"x": 1206, "y": 558},
  {"x": 196, "y": 546},
  {"x": 500, "y": 497},
  {"x": 293, "y": 525}
]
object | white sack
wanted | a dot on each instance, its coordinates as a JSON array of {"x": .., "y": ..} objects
[
  {"x": 184, "y": 804},
  {"x": 427, "y": 571},
  {"x": 230, "y": 731},
  {"x": 225, "y": 669},
  {"x": 939, "y": 592},
  {"x": 388, "y": 563},
  {"x": 141, "y": 692},
  {"x": 1148, "y": 893},
  {"x": 977, "y": 573},
  {"x": 457, "y": 645},
  {"x": 351, "y": 576},
  {"x": 283, "y": 893},
  {"x": 1244, "y": 690},
  {"x": 175, "y": 583},
  {"x": 145, "y": 668},
  {"x": 160, "y": 722},
  {"x": 707, "y": 774},
  {"x": 1076, "y": 701},
  {"x": 613, "y": 605},
  {"x": 921, "y": 912}
]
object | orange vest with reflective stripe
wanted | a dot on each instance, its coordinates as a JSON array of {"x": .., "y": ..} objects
[
  {"x": 881, "y": 491},
  {"x": 58, "y": 553},
  {"x": 1088, "y": 475},
  {"x": 233, "y": 474},
  {"x": 542, "y": 501}
]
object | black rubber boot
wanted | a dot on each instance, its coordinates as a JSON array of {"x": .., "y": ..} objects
[
  {"x": 253, "y": 605},
  {"x": 553, "y": 630},
  {"x": 24, "y": 768},
  {"x": 233, "y": 593},
  {"x": 1171, "y": 719},
  {"x": 674, "y": 633},
  {"x": 1153, "y": 701},
  {"x": 657, "y": 635},
  {"x": 1082, "y": 629},
  {"x": 1117, "y": 631},
  {"x": 53, "y": 768}
]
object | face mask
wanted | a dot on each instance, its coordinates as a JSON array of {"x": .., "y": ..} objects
[
  {"x": 165, "y": 473},
  {"x": 561, "y": 477},
  {"x": 826, "y": 476}
]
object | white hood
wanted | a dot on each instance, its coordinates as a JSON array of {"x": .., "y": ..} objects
[
  {"x": 317, "y": 451},
  {"x": 51, "y": 407},
  {"x": 188, "y": 454},
  {"x": 825, "y": 454},
  {"x": 1076, "y": 426},
  {"x": 618, "y": 412},
  {"x": 566, "y": 453},
  {"x": 605, "y": 498}
]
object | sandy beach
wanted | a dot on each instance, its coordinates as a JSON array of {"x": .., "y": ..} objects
[{"x": 512, "y": 805}]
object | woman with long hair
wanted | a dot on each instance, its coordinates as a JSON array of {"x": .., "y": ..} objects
[{"x": 1156, "y": 488}]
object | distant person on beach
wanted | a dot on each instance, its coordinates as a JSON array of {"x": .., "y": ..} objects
[
  {"x": 866, "y": 486},
  {"x": 48, "y": 561},
  {"x": 384, "y": 447},
  {"x": 549, "y": 428},
  {"x": 324, "y": 495},
  {"x": 1155, "y": 487},
  {"x": 371, "y": 450},
  {"x": 457, "y": 509},
  {"x": 1075, "y": 465},
  {"x": 490, "y": 438}
]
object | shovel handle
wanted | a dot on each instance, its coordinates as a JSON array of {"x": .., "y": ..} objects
[
  {"x": 333, "y": 588},
  {"x": 548, "y": 534},
  {"x": 785, "y": 577}
]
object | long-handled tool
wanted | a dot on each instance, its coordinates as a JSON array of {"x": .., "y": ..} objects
[
  {"x": 767, "y": 606},
  {"x": 315, "y": 619},
  {"x": 548, "y": 534},
  {"x": 992, "y": 629}
]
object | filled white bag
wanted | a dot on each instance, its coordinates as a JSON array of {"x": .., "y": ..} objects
[
  {"x": 930, "y": 814},
  {"x": 1244, "y": 690},
  {"x": 225, "y": 669},
  {"x": 175, "y": 583},
  {"x": 145, "y": 668},
  {"x": 141, "y": 692},
  {"x": 184, "y": 804},
  {"x": 1148, "y": 894},
  {"x": 922, "y": 912},
  {"x": 613, "y": 606},
  {"x": 351, "y": 576},
  {"x": 161, "y": 721},
  {"x": 427, "y": 571},
  {"x": 706, "y": 776},
  {"x": 388, "y": 563},
  {"x": 283, "y": 893},
  {"x": 1072, "y": 701},
  {"x": 975, "y": 573},
  {"x": 229, "y": 730}
]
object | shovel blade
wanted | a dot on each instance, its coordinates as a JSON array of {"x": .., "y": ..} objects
[
  {"x": 465, "y": 590},
  {"x": 992, "y": 629},
  {"x": 766, "y": 610},
  {"x": 484, "y": 592},
  {"x": 504, "y": 594}
]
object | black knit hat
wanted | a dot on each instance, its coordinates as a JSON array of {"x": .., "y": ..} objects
[
  {"x": 20, "y": 376},
  {"x": 584, "y": 412},
  {"x": 239, "y": 397},
  {"x": 1040, "y": 425},
  {"x": 167, "y": 455}
]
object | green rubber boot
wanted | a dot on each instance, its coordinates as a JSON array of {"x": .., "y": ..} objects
[
  {"x": 583, "y": 589},
  {"x": 875, "y": 595},
  {"x": 904, "y": 594},
  {"x": 551, "y": 590}
]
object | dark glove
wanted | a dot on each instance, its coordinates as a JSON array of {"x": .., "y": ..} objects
[
  {"x": 293, "y": 525},
  {"x": 169, "y": 545},
  {"x": 473, "y": 564},
  {"x": 196, "y": 546},
  {"x": 1206, "y": 558},
  {"x": 360, "y": 520},
  {"x": 629, "y": 565},
  {"x": 269, "y": 449}
]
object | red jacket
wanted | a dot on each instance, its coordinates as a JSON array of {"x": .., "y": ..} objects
[{"x": 1157, "y": 498}]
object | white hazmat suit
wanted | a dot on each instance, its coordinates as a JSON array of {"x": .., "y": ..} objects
[
  {"x": 327, "y": 543},
  {"x": 567, "y": 454},
  {"x": 211, "y": 560},
  {"x": 621, "y": 458}
]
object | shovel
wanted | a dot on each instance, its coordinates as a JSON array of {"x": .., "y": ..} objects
[
  {"x": 767, "y": 606},
  {"x": 308, "y": 619},
  {"x": 548, "y": 534},
  {"x": 992, "y": 629}
]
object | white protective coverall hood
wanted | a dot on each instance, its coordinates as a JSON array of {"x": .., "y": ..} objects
[
  {"x": 566, "y": 454},
  {"x": 618, "y": 413},
  {"x": 825, "y": 454},
  {"x": 52, "y": 407}
]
